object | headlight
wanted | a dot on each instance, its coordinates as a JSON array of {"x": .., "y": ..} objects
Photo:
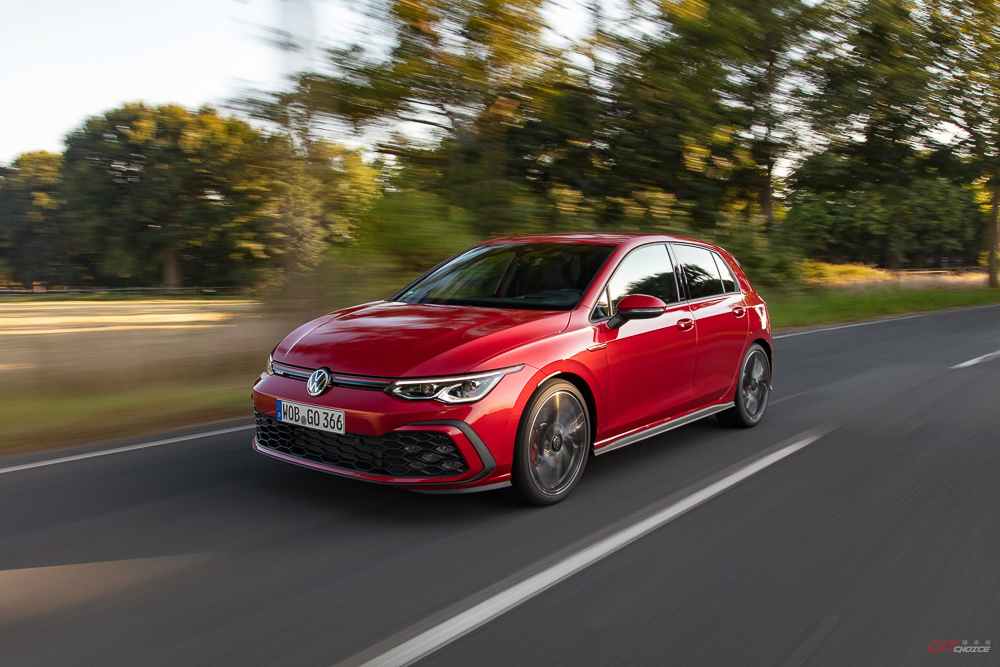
[
  {"x": 456, "y": 389},
  {"x": 269, "y": 370}
]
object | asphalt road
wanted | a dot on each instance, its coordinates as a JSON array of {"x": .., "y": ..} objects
[{"x": 860, "y": 548}]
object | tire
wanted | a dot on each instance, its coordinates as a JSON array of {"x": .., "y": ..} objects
[
  {"x": 753, "y": 388},
  {"x": 553, "y": 445}
]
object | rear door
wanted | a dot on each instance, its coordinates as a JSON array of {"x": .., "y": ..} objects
[
  {"x": 650, "y": 362},
  {"x": 719, "y": 310}
]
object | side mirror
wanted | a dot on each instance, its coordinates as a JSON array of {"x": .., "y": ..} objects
[{"x": 637, "y": 307}]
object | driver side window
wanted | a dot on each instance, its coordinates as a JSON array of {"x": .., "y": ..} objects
[{"x": 646, "y": 270}]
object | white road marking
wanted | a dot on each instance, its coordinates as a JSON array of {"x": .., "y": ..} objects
[
  {"x": 425, "y": 643},
  {"x": 129, "y": 448},
  {"x": 788, "y": 398},
  {"x": 880, "y": 321},
  {"x": 849, "y": 326},
  {"x": 978, "y": 360}
]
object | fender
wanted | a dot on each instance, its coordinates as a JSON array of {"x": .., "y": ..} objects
[{"x": 569, "y": 367}]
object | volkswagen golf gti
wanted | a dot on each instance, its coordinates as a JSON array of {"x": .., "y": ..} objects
[{"x": 512, "y": 363}]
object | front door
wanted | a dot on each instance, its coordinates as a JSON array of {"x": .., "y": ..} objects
[{"x": 651, "y": 362}]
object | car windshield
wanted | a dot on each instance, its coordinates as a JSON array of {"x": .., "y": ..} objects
[{"x": 537, "y": 276}]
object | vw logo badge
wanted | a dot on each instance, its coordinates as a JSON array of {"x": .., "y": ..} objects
[{"x": 318, "y": 382}]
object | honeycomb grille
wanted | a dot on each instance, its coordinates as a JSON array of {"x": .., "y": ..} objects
[{"x": 397, "y": 454}]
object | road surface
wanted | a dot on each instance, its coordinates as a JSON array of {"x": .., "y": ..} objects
[{"x": 877, "y": 536}]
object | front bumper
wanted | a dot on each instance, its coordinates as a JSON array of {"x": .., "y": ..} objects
[
  {"x": 378, "y": 425},
  {"x": 383, "y": 459}
]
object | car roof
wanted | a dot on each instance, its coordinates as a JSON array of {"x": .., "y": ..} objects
[{"x": 598, "y": 238}]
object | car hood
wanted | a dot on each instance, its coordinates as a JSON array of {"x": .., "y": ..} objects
[{"x": 392, "y": 339}]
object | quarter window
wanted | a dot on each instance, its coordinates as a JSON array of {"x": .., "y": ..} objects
[
  {"x": 647, "y": 270},
  {"x": 728, "y": 279},
  {"x": 700, "y": 270},
  {"x": 602, "y": 309}
]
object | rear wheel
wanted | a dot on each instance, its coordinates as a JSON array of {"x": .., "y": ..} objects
[
  {"x": 553, "y": 443},
  {"x": 753, "y": 388}
]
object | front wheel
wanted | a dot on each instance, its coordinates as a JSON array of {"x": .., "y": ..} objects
[
  {"x": 753, "y": 387},
  {"x": 553, "y": 442}
]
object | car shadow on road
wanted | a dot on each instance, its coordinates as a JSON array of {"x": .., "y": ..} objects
[{"x": 605, "y": 478}]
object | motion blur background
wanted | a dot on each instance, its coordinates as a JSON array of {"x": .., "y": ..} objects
[{"x": 216, "y": 172}]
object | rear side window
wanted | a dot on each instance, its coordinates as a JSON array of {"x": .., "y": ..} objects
[
  {"x": 647, "y": 270},
  {"x": 700, "y": 270},
  {"x": 728, "y": 279}
]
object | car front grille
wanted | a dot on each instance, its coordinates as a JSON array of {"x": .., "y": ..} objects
[
  {"x": 336, "y": 379},
  {"x": 395, "y": 454}
]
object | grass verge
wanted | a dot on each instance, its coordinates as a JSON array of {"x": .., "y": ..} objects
[
  {"x": 35, "y": 420},
  {"x": 828, "y": 307}
]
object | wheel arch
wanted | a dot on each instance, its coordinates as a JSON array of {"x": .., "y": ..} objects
[{"x": 764, "y": 343}]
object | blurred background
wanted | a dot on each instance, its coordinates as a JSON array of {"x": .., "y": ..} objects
[{"x": 182, "y": 183}]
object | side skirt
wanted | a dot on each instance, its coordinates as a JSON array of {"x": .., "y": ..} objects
[{"x": 663, "y": 427}]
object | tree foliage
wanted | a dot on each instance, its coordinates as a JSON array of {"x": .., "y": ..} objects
[
  {"x": 32, "y": 224},
  {"x": 160, "y": 195},
  {"x": 674, "y": 117},
  {"x": 848, "y": 130}
]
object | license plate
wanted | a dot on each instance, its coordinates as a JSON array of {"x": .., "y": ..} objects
[{"x": 321, "y": 419}]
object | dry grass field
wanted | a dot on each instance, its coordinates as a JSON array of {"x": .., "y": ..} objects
[
  {"x": 73, "y": 371},
  {"x": 861, "y": 277}
]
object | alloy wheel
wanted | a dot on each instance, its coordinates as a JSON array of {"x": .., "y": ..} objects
[
  {"x": 557, "y": 442},
  {"x": 755, "y": 385}
]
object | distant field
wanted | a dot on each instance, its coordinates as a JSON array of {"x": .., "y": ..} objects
[
  {"x": 79, "y": 371},
  {"x": 855, "y": 277},
  {"x": 39, "y": 317},
  {"x": 76, "y": 371},
  {"x": 113, "y": 296}
]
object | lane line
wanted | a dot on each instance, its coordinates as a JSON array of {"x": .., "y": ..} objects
[
  {"x": 450, "y": 629},
  {"x": 850, "y": 326},
  {"x": 866, "y": 323},
  {"x": 788, "y": 398},
  {"x": 977, "y": 360},
  {"x": 129, "y": 448}
]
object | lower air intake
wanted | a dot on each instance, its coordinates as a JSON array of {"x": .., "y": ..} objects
[{"x": 397, "y": 454}]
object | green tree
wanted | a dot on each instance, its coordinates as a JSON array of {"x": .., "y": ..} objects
[
  {"x": 937, "y": 218},
  {"x": 966, "y": 34},
  {"x": 416, "y": 229},
  {"x": 320, "y": 194},
  {"x": 164, "y": 190},
  {"x": 765, "y": 86},
  {"x": 455, "y": 69},
  {"x": 872, "y": 81},
  {"x": 670, "y": 129},
  {"x": 32, "y": 224}
]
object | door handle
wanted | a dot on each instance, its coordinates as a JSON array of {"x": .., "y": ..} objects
[
  {"x": 739, "y": 311},
  {"x": 685, "y": 324}
]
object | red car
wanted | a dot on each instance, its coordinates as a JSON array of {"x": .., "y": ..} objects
[{"x": 507, "y": 365}]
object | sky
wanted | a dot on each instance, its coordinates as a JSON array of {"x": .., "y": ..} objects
[{"x": 67, "y": 60}]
